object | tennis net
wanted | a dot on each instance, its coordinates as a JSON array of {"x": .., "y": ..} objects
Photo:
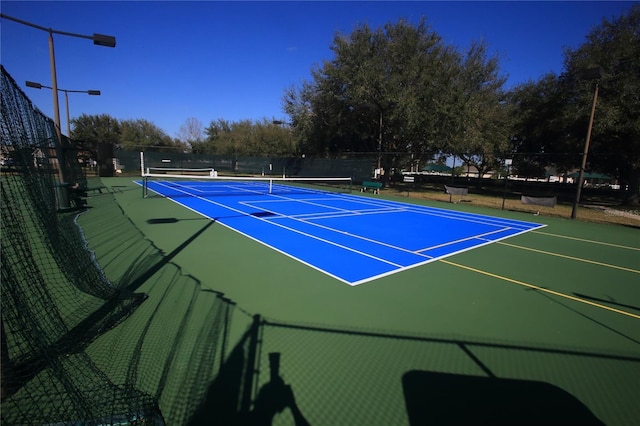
[
  {"x": 180, "y": 171},
  {"x": 171, "y": 185}
]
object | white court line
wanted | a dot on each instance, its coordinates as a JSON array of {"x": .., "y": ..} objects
[
  {"x": 478, "y": 237},
  {"x": 450, "y": 214},
  {"x": 311, "y": 203},
  {"x": 305, "y": 219},
  {"x": 396, "y": 206},
  {"x": 353, "y": 214},
  {"x": 339, "y": 231},
  {"x": 392, "y": 206},
  {"x": 484, "y": 220},
  {"x": 281, "y": 226},
  {"x": 322, "y": 215},
  {"x": 217, "y": 189}
]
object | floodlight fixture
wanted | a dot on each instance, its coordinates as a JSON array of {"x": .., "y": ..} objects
[
  {"x": 34, "y": 85},
  {"x": 104, "y": 40}
]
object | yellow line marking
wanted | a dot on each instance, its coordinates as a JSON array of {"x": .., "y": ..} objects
[
  {"x": 593, "y": 262},
  {"x": 535, "y": 287},
  {"x": 586, "y": 241}
]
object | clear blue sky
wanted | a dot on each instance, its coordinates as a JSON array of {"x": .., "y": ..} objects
[{"x": 233, "y": 60}]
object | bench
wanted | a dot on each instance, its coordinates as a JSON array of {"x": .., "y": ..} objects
[
  {"x": 79, "y": 195},
  {"x": 95, "y": 188},
  {"x": 375, "y": 186},
  {"x": 452, "y": 190}
]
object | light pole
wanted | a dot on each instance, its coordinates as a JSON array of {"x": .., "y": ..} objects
[
  {"x": 507, "y": 163},
  {"x": 98, "y": 39},
  {"x": 66, "y": 97},
  {"x": 380, "y": 141},
  {"x": 590, "y": 74}
]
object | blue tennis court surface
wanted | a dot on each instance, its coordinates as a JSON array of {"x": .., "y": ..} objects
[{"x": 352, "y": 238}]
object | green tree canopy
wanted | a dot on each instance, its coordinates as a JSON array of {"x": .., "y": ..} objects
[
  {"x": 101, "y": 128},
  {"x": 481, "y": 113},
  {"x": 140, "y": 134},
  {"x": 247, "y": 138},
  {"x": 401, "y": 89},
  {"x": 541, "y": 129},
  {"x": 132, "y": 134},
  {"x": 614, "y": 48}
]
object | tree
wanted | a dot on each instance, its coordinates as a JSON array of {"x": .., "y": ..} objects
[
  {"x": 400, "y": 89},
  {"x": 214, "y": 132},
  {"x": 191, "y": 131},
  {"x": 95, "y": 129},
  {"x": 379, "y": 81},
  {"x": 614, "y": 48},
  {"x": 247, "y": 138},
  {"x": 482, "y": 118},
  {"x": 273, "y": 138},
  {"x": 541, "y": 130},
  {"x": 128, "y": 134},
  {"x": 141, "y": 134},
  {"x": 91, "y": 131}
]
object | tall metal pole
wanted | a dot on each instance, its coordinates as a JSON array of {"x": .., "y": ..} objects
[
  {"x": 380, "y": 143},
  {"x": 66, "y": 100},
  {"x": 507, "y": 163},
  {"x": 54, "y": 83},
  {"x": 584, "y": 155},
  {"x": 56, "y": 109}
]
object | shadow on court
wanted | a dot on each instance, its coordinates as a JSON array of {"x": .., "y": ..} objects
[
  {"x": 170, "y": 220},
  {"x": 589, "y": 317},
  {"x": 607, "y": 301},
  {"x": 457, "y": 399},
  {"x": 345, "y": 376},
  {"x": 231, "y": 399},
  {"x": 148, "y": 260}
]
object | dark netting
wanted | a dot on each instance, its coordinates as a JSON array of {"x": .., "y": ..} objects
[{"x": 55, "y": 300}]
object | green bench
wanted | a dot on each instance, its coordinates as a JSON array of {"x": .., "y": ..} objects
[
  {"x": 96, "y": 188},
  {"x": 79, "y": 195},
  {"x": 375, "y": 186}
]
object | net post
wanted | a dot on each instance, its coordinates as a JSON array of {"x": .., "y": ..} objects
[
  {"x": 145, "y": 184},
  {"x": 270, "y": 186}
]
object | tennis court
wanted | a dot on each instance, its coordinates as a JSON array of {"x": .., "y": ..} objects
[
  {"x": 540, "y": 327},
  {"x": 352, "y": 238}
]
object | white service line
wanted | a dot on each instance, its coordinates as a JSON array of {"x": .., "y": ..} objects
[{"x": 281, "y": 226}]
